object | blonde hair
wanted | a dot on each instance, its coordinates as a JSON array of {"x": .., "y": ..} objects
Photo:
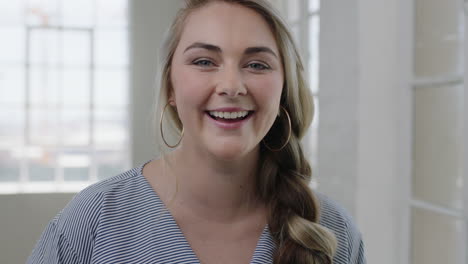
[{"x": 283, "y": 176}]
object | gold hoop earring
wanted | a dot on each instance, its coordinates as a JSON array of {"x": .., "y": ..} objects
[
  {"x": 289, "y": 134},
  {"x": 161, "y": 129}
]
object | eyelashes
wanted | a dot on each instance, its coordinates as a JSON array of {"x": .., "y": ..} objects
[
  {"x": 203, "y": 63},
  {"x": 259, "y": 66},
  {"x": 254, "y": 65}
]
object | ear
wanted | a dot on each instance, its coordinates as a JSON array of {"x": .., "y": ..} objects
[{"x": 171, "y": 98}]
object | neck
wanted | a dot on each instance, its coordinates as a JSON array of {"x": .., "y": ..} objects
[{"x": 222, "y": 190}]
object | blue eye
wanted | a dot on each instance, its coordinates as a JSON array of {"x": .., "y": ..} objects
[
  {"x": 258, "y": 66},
  {"x": 203, "y": 63}
]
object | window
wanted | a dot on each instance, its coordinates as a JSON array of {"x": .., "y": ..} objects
[
  {"x": 438, "y": 201},
  {"x": 63, "y": 93}
]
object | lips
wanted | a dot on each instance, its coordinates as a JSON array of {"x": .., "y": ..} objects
[
  {"x": 229, "y": 118},
  {"x": 229, "y": 114}
]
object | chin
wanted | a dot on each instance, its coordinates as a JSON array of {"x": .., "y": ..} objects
[{"x": 230, "y": 152}]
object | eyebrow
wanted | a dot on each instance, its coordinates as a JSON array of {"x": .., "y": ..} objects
[
  {"x": 254, "y": 50},
  {"x": 201, "y": 45},
  {"x": 248, "y": 51}
]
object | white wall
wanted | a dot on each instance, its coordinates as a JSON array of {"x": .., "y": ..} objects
[
  {"x": 149, "y": 20},
  {"x": 23, "y": 218},
  {"x": 339, "y": 85},
  {"x": 465, "y": 130},
  {"x": 384, "y": 171}
]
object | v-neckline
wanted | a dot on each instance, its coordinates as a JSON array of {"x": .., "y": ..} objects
[{"x": 264, "y": 249}]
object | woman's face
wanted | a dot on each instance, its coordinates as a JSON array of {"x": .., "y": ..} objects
[{"x": 227, "y": 78}]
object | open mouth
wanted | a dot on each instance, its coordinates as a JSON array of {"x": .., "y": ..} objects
[{"x": 229, "y": 116}]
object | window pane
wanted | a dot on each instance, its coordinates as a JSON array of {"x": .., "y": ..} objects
[
  {"x": 438, "y": 137},
  {"x": 436, "y": 238},
  {"x": 75, "y": 164},
  {"x": 76, "y": 127},
  {"x": 76, "y": 48},
  {"x": 44, "y": 85},
  {"x": 111, "y": 163},
  {"x": 11, "y": 126},
  {"x": 111, "y": 48},
  {"x": 76, "y": 174},
  {"x": 76, "y": 87},
  {"x": 52, "y": 86},
  {"x": 9, "y": 166},
  {"x": 111, "y": 88},
  {"x": 314, "y": 5},
  {"x": 11, "y": 13},
  {"x": 77, "y": 13},
  {"x": 11, "y": 85},
  {"x": 111, "y": 129},
  {"x": 41, "y": 163},
  {"x": 112, "y": 13},
  {"x": 12, "y": 45},
  {"x": 44, "y": 47},
  {"x": 313, "y": 132},
  {"x": 438, "y": 38},
  {"x": 314, "y": 33},
  {"x": 44, "y": 126}
]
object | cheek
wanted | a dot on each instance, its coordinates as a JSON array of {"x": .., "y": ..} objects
[
  {"x": 267, "y": 90},
  {"x": 188, "y": 86},
  {"x": 190, "y": 92},
  {"x": 267, "y": 95}
]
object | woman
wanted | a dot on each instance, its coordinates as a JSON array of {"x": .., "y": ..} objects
[{"x": 235, "y": 187}]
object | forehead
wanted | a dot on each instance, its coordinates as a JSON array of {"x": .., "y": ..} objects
[{"x": 228, "y": 26}]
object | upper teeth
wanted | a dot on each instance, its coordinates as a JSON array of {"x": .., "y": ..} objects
[{"x": 229, "y": 115}]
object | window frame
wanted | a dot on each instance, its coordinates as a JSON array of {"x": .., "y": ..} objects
[{"x": 450, "y": 80}]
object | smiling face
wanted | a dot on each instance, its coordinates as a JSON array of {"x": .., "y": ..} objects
[{"x": 227, "y": 79}]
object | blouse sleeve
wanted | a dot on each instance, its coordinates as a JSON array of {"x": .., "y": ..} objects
[
  {"x": 356, "y": 248},
  {"x": 53, "y": 248},
  {"x": 350, "y": 248},
  {"x": 358, "y": 255},
  {"x": 69, "y": 237}
]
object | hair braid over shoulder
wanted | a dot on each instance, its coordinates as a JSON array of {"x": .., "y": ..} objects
[{"x": 294, "y": 211}]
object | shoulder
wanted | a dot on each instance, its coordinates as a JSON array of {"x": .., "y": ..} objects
[
  {"x": 334, "y": 217},
  {"x": 79, "y": 222},
  {"x": 71, "y": 233},
  {"x": 86, "y": 206}
]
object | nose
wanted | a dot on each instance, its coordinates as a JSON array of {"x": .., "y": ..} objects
[{"x": 231, "y": 83}]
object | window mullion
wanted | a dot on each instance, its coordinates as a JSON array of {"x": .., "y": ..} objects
[
  {"x": 24, "y": 175},
  {"x": 436, "y": 208},
  {"x": 59, "y": 170},
  {"x": 304, "y": 32},
  {"x": 92, "y": 109}
]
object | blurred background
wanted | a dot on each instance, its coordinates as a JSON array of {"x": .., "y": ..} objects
[{"x": 77, "y": 88}]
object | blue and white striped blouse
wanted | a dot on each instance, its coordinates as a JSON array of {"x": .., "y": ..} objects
[{"x": 122, "y": 220}]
